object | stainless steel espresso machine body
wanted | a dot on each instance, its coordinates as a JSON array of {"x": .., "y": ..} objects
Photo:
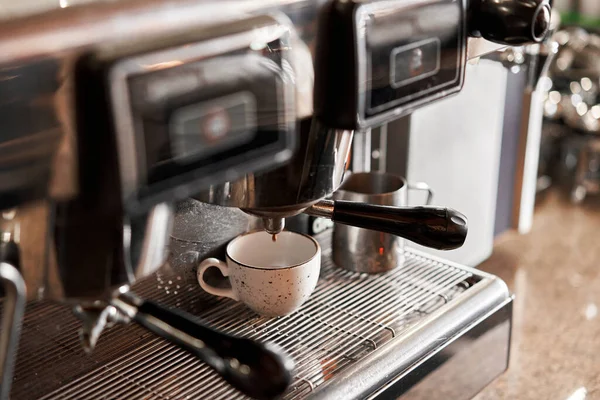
[
  {"x": 115, "y": 111},
  {"x": 357, "y": 85},
  {"x": 376, "y": 61},
  {"x": 127, "y": 122}
]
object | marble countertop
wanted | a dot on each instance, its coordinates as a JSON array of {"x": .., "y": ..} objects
[{"x": 554, "y": 272}]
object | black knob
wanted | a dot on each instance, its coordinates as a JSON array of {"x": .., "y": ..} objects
[{"x": 511, "y": 22}]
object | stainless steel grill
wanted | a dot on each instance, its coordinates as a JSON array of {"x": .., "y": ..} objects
[{"x": 348, "y": 317}]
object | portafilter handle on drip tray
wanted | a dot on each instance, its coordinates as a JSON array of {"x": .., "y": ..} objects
[
  {"x": 435, "y": 227},
  {"x": 259, "y": 370}
]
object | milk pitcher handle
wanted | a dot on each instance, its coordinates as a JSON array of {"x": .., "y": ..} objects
[
  {"x": 423, "y": 187},
  {"x": 224, "y": 268}
]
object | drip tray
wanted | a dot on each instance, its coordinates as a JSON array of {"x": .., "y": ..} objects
[{"x": 359, "y": 335}]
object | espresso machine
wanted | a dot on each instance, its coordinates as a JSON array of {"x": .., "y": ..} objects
[{"x": 117, "y": 113}]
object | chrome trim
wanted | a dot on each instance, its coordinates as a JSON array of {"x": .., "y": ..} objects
[
  {"x": 348, "y": 317},
  {"x": 315, "y": 171},
  {"x": 479, "y": 47},
  {"x": 13, "y": 309},
  {"x": 74, "y": 28},
  {"x": 60, "y": 36},
  {"x": 360, "y": 380},
  {"x": 323, "y": 209},
  {"x": 273, "y": 225},
  {"x": 156, "y": 240},
  {"x": 500, "y": 344},
  {"x": 57, "y": 31}
]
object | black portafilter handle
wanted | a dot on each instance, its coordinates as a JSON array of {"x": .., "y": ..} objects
[
  {"x": 259, "y": 370},
  {"x": 512, "y": 22},
  {"x": 435, "y": 227}
]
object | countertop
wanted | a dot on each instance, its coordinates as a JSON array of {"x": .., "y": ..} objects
[{"x": 554, "y": 272}]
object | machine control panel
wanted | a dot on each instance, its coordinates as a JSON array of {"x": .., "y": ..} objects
[
  {"x": 396, "y": 56},
  {"x": 193, "y": 113},
  {"x": 412, "y": 56}
]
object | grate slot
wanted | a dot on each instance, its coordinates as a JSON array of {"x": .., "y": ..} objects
[
  {"x": 98, "y": 382},
  {"x": 349, "y": 316}
]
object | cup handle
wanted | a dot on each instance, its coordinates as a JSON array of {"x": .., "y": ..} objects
[
  {"x": 222, "y": 266},
  {"x": 422, "y": 186}
]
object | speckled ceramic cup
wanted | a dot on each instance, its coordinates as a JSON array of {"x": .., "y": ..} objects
[{"x": 271, "y": 278}]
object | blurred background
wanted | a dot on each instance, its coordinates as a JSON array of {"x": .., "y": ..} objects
[{"x": 548, "y": 252}]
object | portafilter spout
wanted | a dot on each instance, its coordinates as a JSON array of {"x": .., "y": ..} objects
[
  {"x": 315, "y": 171},
  {"x": 273, "y": 225}
]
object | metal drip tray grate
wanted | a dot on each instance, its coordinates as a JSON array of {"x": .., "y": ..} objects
[{"x": 349, "y": 316}]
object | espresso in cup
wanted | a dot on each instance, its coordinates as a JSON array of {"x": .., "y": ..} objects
[{"x": 273, "y": 278}]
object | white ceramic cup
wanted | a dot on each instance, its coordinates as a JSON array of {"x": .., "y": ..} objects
[{"x": 271, "y": 278}]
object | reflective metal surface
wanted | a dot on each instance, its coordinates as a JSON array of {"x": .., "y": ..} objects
[
  {"x": 259, "y": 370},
  {"x": 364, "y": 250},
  {"x": 355, "y": 331},
  {"x": 314, "y": 172},
  {"x": 13, "y": 308},
  {"x": 143, "y": 250},
  {"x": 455, "y": 369},
  {"x": 529, "y": 20},
  {"x": 68, "y": 197},
  {"x": 36, "y": 65},
  {"x": 94, "y": 319}
]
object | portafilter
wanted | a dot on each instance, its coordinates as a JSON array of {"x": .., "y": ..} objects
[
  {"x": 340, "y": 97},
  {"x": 315, "y": 172}
]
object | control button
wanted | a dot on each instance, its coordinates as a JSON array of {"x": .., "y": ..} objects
[
  {"x": 202, "y": 129},
  {"x": 414, "y": 61}
]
